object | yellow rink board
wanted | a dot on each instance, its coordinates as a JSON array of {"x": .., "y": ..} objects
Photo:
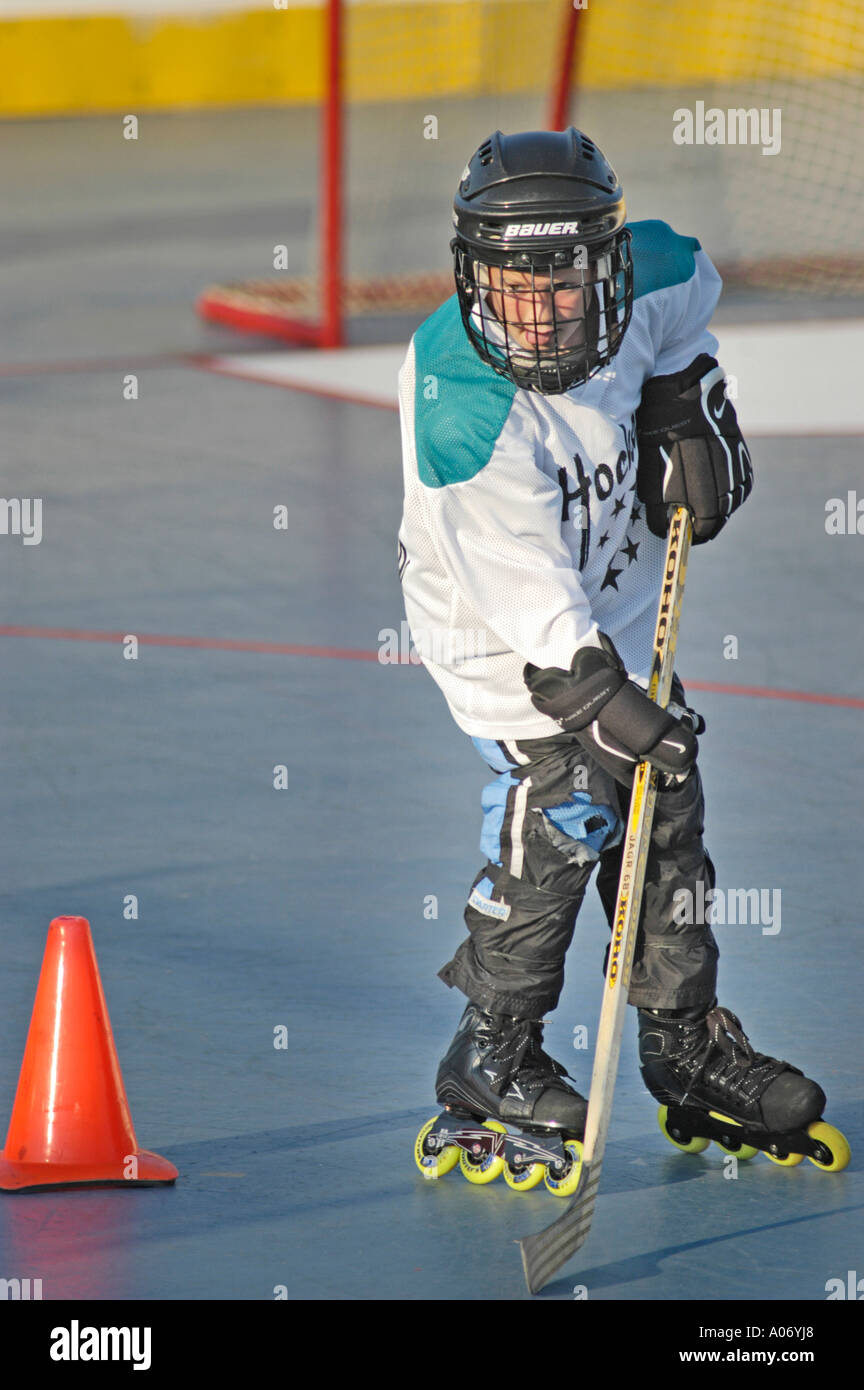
[{"x": 130, "y": 63}]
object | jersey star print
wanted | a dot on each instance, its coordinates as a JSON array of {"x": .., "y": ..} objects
[{"x": 522, "y": 533}]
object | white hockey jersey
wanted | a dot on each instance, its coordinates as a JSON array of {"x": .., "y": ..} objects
[{"x": 522, "y": 533}]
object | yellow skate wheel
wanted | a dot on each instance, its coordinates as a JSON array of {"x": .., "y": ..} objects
[
  {"x": 434, "y": 1165},
  {"x": 834, "y": 1142},
  {"x": 743, "y": 1151},
  {"x": 566, "y": 1185},
  {"x": 694, "y": 1145},
  {"x": 485, "y": 1167},
  {"x": 784, "y": 1160},
  {"x": 525, "y": 1177}
]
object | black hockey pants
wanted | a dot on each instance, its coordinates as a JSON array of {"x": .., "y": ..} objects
[{"x": 552, "y": 815}]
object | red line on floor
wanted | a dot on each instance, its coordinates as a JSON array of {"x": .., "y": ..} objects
[
  {"x": 762, "y": 692},
  {"x": 331, "y": 393},
  {"x": 226, "y": 644},
  {"x": 101, "y": 364},
  {"x": 153, "y": 639},
  {"x": 200, "y": 361}
]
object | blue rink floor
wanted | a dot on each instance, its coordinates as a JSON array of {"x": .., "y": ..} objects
[{"x": 309, "y": 913}]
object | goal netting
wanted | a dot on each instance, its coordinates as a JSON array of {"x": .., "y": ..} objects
[{"x": 737, "y": 121}]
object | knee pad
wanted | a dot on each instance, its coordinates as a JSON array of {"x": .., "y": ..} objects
[{"x": 580, "y": 829}]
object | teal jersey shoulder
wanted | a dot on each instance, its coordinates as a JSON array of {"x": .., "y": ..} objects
[
  {"x": 460, "y": 404},
  {"x": 661, "y": 258}
]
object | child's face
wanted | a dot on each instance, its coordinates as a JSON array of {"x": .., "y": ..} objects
[{"x": 525, "y": 305}]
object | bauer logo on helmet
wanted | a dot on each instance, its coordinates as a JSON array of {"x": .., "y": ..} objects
[{"x": 520, "y": 229}]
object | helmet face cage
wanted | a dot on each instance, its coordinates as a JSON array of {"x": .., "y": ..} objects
[{"x": 548, "y": 321}]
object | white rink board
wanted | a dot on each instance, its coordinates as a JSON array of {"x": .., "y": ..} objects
[{"x": 790, "y": 378}]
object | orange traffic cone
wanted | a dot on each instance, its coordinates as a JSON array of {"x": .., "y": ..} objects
[{"x": 70, "y": 1123}]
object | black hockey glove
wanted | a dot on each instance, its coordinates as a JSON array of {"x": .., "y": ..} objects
[
  {"x": 691, "y": 452},
  {"x": 612, "y": 717}
]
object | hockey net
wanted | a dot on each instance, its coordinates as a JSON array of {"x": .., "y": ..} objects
[
  {"x": 737, "y": 121},
  {"x": 408, "y": 90},
  {"x": 780, "y": 210}
]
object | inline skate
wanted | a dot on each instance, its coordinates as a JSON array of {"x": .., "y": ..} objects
[
  {"x": 495, "y": 1074},
  {"x": 712, "y": 1085}
]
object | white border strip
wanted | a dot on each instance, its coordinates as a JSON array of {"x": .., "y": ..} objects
[{"x": 801, "y": 378}]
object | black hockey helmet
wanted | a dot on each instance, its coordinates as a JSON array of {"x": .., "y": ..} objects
[{"x": 542, "y": 258}]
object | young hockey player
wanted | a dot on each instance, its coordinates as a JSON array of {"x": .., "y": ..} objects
[{"x": 552, "y": 412}]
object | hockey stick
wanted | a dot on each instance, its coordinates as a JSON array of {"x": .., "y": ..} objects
[{"x": 543, "y": 1254}]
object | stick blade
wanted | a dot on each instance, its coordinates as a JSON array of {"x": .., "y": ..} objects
[{"x": 544, "y": 1253}]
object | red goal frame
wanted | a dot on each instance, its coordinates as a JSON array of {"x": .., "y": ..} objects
[{"x": 315, "y": 315}]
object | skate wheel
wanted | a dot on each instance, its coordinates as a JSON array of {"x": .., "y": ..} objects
[
  {"x": 434, "y": 1165},
  {"x": 742, "y": 1151},
  {"x": 682, "y": 1139},
  {"x": 784, "y": 1160},
  {"x": 525, "y": 1177},
  {"x": 834, "y": 1145},
  {"x": 485, "y": 1167},
  {"x": 566, "y": 1184}
]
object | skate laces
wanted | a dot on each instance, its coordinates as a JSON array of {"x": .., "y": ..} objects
[
  {"x": 739, "y": 1068},
  {"x": 725, "y": 1032},
  {"x": 518, "y": 1047},
  {"x": 542, "y": 1057}
]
